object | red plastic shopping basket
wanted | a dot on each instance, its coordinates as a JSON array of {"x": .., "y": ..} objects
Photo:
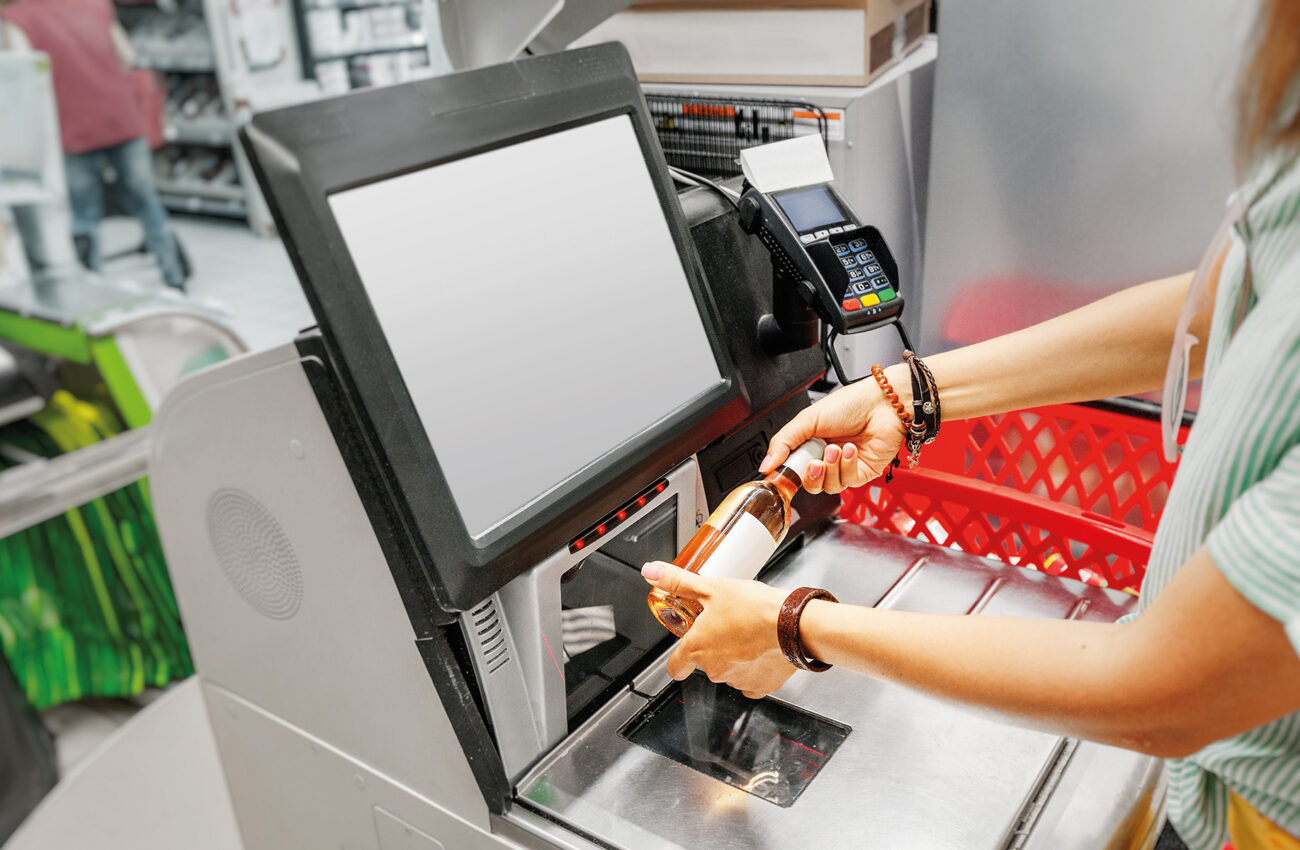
[{"x": 1071, "y": 490}]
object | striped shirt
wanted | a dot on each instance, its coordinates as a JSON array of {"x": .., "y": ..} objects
[{"x": 1238, "y": 493}]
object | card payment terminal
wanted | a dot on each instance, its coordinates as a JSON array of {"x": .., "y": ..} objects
[{"x": 840, "y": 267}]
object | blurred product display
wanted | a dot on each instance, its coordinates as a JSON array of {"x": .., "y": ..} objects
[
  {"x": 216, "y": 63},
  {"x": 349, "y": 45},
  {"x": 188, "y": 175},
  {"x": 86, "y": 605},
  {"x": 170, "y": 40},
  {"x": 196, "y": 125},
  {"x": 194, "y": 100}
]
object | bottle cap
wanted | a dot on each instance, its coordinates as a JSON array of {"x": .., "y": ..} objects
[{"x": 797, "y": 462}]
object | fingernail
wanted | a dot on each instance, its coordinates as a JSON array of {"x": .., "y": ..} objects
[
  {"x": 850, "y": 451},
  {"x": 832, "y": 454},
  {"x": 652, "y": 571},
  {"x": 767, "y": 460},
  {"x": 815, "y": 470}
]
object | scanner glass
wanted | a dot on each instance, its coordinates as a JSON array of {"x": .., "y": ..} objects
[
  {"x": 536, "y": 306},
  {"x": 765, "y": 747}
]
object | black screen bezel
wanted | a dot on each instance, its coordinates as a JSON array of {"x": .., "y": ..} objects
[{"x": 303, "y": 154}]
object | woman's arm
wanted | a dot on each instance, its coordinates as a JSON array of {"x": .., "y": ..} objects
[
  {"x": 1116, "y": 346},
  {"x": 1202, "y": 663}
]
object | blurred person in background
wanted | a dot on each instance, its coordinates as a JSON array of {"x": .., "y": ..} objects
[{"x": 90, "y": 56}]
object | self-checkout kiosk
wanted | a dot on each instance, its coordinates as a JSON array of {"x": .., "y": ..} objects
[{"x": 406, "y": 547}]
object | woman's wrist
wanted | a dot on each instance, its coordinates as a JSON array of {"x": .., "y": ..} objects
[
  {"x": 816, "y": 629},
  {"x": 900, "y": 379}
]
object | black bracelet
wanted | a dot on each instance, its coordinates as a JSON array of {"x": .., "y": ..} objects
[
  {"x": 934, "y": 396},
  {"x": 926, "y": 411}
]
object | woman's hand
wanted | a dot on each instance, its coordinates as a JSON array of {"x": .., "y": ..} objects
[
  {"x": 734, "y": 639},
  {"x": 862, "y": 432}
]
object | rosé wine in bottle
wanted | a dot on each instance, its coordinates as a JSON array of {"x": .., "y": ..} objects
[{"x": 738, "y": 537}]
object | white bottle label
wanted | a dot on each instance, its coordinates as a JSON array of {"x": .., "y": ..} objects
[{"x": 743, "y": 552}]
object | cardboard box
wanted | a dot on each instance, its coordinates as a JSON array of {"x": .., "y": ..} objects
[{"x": 766, "y": 42}]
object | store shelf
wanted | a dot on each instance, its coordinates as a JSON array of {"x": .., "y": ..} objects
[
  {"x": 349, "y": 5},
  {"x": 213, "y": 132},
  {"x": 230, "y": 208},
  {"x": 177, "y": 63},
  {"x": 218, "y": 192},
  {"x": 18, "y": 192},
  {"x": 413, "y": 44}
]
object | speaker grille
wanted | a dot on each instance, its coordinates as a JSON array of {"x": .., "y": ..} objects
[{"x": 254, "y": 553}]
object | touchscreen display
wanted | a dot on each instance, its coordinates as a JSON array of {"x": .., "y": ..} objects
[
  {"x": 536, "y": 305},
  {"x": 810, "y": 208},
  {"x": 768, "y": 748}
]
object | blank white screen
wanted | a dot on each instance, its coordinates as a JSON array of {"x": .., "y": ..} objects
[{"x": 536, "y": 306}]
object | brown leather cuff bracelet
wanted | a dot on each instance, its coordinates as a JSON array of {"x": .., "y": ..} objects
[{"x": 787, "y": 628}]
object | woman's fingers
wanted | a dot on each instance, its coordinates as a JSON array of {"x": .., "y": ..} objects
[
  {"x": 853, "y": 472},
  {"x": 833, "y": 456},
  {"x": 676, "y": 581},
  {"x": 815, "y": 477},
  {"x": 843, "y": 467},
  {"x": 812, "y": 482},
  {"x": 680, "y": 664},
  {"x": 792, "y": 435}
]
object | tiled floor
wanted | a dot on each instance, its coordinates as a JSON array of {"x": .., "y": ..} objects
[{"x": 246, "y": 278}]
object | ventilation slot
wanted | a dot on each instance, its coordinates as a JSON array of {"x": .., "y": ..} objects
[{"x": 490, "y": 636}]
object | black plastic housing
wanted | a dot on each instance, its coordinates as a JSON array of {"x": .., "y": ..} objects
[
  {"x": 816, "y": 263},
  {"x": 303, "y": 154}
]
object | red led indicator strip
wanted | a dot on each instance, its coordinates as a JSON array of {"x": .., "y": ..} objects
[{"x": 606, "y": 525}]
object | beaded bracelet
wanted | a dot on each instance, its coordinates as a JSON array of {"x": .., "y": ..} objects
[
  {"x": 885, "y": 387},
  {"x": 905, "y": 417}
]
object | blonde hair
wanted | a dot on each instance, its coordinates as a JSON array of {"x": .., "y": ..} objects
[{"x": 1268, "y": 117}]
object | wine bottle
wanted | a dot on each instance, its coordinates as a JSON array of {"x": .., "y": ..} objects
[{"x": 738, "y": 537}]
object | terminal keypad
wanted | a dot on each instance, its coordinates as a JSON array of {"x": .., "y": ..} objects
[{"x": 868, "y": 287}]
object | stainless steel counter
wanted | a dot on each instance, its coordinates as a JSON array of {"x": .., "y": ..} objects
[{"x": 915, "y": 772}]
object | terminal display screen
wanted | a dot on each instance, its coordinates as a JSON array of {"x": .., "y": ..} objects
[
  {"x": 537, "y": 308},
  {"x": 810, "y": 208}
]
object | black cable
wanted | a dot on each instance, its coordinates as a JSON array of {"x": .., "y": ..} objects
[
  {"x": 704, "y": 181},
  {"x": 833, "y": 358},
  {"x": 828, "y": 345},
  {"x": 902, "y": 333}
]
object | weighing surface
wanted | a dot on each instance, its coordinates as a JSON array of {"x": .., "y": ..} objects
[{"x": 914, "y": 771}]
